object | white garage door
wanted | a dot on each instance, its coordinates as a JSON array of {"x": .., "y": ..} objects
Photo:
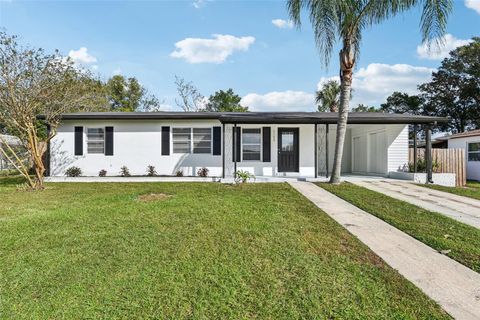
[
  {"x": 357, "y": 154},
  {"x": 377, "y": 153}
]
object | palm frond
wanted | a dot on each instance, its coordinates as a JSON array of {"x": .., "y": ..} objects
[{"x": 433, "y": 23}]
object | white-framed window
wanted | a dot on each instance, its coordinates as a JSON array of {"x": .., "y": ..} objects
[
  {"x": 96, "y": 140},
  {"x": 473, "y": 150},
  {"x": 192, "y": 140},
  {"x": 251, "y": 144},
  {"x": 182, "y": 140},
  {"x": 202, "y": 140}
]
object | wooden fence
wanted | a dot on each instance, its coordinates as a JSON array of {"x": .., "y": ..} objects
[{"x": 446, "y": 161}]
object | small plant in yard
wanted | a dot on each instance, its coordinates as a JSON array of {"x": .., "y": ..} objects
[
  {"x": 203, "y": 172},
  {"x": 102, "y": 173},
  {"x": 151, "y": 171},
  {"x": 73, "y": 172},
  {"x": 422, "y": 166},
  {"x": 124, "y": 172},
  {"x": 179, "y": 173},
  {"x": 242, "y": 176}
]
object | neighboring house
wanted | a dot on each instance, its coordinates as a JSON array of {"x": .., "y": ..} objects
[
  {"x": 13, "y": 142},
  {"x": 470, "y": 142},
  {"x": 264, "y": 143}
]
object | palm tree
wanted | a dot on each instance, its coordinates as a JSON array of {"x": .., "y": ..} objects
[
  {"x": 328, "y": 97},
  {"x": 345, "y": 20}
]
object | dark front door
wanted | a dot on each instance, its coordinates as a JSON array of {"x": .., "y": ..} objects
[{"x": 288, "y": 149}]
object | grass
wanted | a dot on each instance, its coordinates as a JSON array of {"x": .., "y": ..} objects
[
  {"x": 188, "y": 251},
  {"x": 459, "y": 241},
  {"x": 472, "y": 190}
]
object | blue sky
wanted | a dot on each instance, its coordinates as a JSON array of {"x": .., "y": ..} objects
[{"x": 245, "y": 45}]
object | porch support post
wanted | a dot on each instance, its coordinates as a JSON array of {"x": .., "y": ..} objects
[
  {"x": 316, "y": 147},
  {"x": 326, "y": 150},
  {"x": 223, "y": 150},
  {"x": 428, "y": 153},
  {"x": 415, "y": 155},
  {"x": 235, "y": 149}
]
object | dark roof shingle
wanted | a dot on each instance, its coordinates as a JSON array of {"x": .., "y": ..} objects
[{"x": 262, "y": 117}]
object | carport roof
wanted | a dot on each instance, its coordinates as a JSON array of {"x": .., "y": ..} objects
[{"x": 261, "y": 117}]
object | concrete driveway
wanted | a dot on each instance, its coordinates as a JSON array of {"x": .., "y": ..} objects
[
  {"x": 452, "y": 285},
  {"x": 463, "y": 209}
]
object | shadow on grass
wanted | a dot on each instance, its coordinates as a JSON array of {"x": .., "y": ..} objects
[{"x": 11, "y": 180}]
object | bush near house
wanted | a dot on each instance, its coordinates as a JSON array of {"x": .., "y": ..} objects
[{"x": 73, "y": 172}]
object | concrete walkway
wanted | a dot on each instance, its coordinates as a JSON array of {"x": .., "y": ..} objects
[
  {"x": 463, "y": 209},
  {"x": 453, "y": 286}
]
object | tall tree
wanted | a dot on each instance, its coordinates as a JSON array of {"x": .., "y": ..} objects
[
  {"x": 454, "y": 91},
  {"x": 400, "y": 102},
  {"x": 328, "y": 97},
  {"x": 32, "y": 84},
  {"x": 346, "y": 20},
  {"x": 128, "y": 95},
  {"x": 225, "y": 101},
  {"x": 364, "y": 108},
  {"x": 190, "y": 97}
]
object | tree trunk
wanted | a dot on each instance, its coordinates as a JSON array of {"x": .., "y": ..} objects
[
  {"x": 347, "y": 62},
  {"x": 37, "y": 149}
]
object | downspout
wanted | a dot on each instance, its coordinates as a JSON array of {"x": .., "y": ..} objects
[
  {"x": 415, "y": 155},
  {"x": 428, "y": 153},
  {"x": 316, "y": 147},
  {"x": 223, "y": 150},
  {"x": 235, "y": 149},
  {"x": 326, "y": 150}
]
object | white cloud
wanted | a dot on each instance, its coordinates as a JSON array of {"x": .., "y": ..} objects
[
  {"x": 81, "y": 56},
  {"x": 216, "y": 50},
  {"x": 117, "y": 72},
  {"x": 283, "y": 24},
  {"x": 438, "y": 52},
  {"x": 473, "y": 4},
  {"x": 197, "y": 4},
  {"x": 373, "y": 84},
  {"x": 280, "y": 101}
]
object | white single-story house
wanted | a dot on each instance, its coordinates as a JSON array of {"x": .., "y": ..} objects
[
  {"x": 470, "y": 142},
  {"x": 271, "y": 144}
]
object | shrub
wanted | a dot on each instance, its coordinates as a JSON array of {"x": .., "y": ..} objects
[
  {"x": 179, "y": 173},
  {"x": 151, "y": 171},
  {"x": 102, "y": 173},
  {"x": 73, "y": 172},
  {"x": 202, "y": 172},
  {"x": 243, "y": 176},
  {"x": 422, "y": 166},
  {"x": 124, "y": 172}
]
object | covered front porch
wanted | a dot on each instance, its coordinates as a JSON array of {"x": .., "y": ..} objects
[{"x": 302, "y": 145}]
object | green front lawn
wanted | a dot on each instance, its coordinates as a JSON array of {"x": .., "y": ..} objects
[
  {"x": 472, "y": 189},
  {"x": 188, "y": 250},
  {"x": 457, "y": 240}
]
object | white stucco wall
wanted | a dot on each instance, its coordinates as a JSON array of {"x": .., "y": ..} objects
[
  {"x": 137, "y": 144},
  {"x": 260, "y": 168},
  {"x": 473, "y": 167}
]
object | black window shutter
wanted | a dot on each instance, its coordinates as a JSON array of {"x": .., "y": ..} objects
[
  {"x": 165, "y": 141},
  {"x": 109, "y": 141},
  {"x": 217, "y": 141},
  {"x": 79, "y": 141},
  {"x": 266, "y": 144},
  {"x": 237, "y": 135}
]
